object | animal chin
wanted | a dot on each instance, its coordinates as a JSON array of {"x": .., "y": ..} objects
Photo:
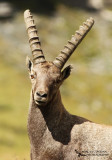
[{"x": 40, "y": 103}]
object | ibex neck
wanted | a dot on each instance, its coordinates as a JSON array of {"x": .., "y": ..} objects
[
  {"x": 51, "y": 112},
  {"x": 54, "y": 108},
  {"x": 46, "y": 117}
]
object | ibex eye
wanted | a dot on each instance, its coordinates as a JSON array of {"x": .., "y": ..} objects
[{"x": 32, "y": 76}]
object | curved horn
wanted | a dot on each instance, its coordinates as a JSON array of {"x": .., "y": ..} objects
[
  {"x": 73, "y": 43},
  {"x": 35, "y": 45}
]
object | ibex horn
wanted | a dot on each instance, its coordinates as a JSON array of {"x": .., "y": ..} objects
[
  {"x": 73, "y": 43},
  {"x": 35, "y": 44}
]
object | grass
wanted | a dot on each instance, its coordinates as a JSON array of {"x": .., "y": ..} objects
[
  {"x": 14, "y": 108},
  {"x": 89, "y": 96}
]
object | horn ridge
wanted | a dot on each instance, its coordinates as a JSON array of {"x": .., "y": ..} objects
[
  {"x": 73, "y": 43},
  {"x": 34, "y": 41}
]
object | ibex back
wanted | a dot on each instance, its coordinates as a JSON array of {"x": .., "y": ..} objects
[{"x": 54, "y": 133}]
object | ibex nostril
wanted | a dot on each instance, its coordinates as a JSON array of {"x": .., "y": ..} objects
[
  {"x": 44, "y": 95},
  {"x": 38, "y": 94},
  {"x": 41, "y": 94}
]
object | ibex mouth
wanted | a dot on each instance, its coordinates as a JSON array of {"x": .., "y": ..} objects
[{"x": 40, "y": 102}]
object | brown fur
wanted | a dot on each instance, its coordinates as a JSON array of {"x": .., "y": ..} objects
[{"x": 54, "y": 133}]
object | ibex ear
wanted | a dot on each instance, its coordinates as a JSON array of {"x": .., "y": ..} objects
[
  {"x": 29, "y": 63},
  {"x": 66, "y": 72}
]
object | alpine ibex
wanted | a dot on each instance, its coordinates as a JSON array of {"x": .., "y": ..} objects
[{"x": 54, "y": 133}]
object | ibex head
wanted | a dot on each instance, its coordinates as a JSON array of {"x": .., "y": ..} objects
[{"x": 46, "y": 77}]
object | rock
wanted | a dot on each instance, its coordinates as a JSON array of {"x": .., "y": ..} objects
[
  {"x": 96, "y": 4},
  {"x": 6, "y": 10}
]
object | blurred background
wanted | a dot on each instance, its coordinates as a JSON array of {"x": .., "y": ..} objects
[{"x": 87, "y": 92}]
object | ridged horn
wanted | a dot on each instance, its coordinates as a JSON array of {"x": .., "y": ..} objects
[
  {"x": 35, "y": 44},
  {"x": 73, "y": 43}
]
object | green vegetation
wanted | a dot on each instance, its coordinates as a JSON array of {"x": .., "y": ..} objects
[
  {"x": 87, "y": 92},
  {"x": 14, "y": 98}
]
